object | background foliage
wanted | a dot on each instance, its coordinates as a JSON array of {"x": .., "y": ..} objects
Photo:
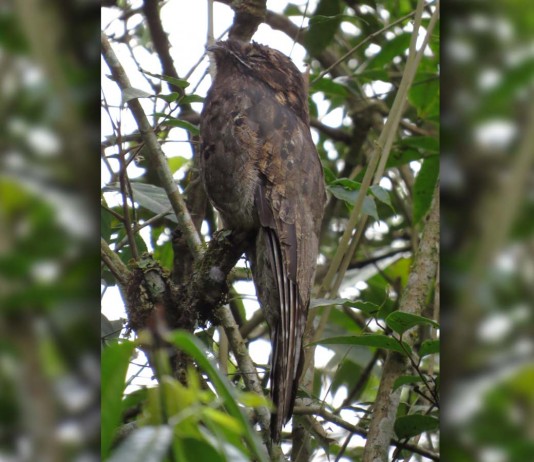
[
  {"x": 357, "y": 55},
  {"x": 54, "y": 415}
]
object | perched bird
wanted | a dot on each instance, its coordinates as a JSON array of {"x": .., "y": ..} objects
[{"x": 262, "y": 172}]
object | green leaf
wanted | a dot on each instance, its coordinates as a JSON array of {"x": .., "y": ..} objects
[
  {"x": 194, "y": 449},
  {"x": 193, "y": 129},
  {"x": 400, "y": 322},
  {"x": 403, "y": 157},
  {"x": 349, "y": 197},
  {"x": 250, "y": 399},
  {"x": 320, "y": 19},
  {"x": 13, "y": 38},
  {"x": 106, "y": 220},
  {"x": 169, "y": 98},
  {"x": 193, "y": 347},
  {"x": 424, "y": 186},
  {"x": 146, "y": 444},
  {"x": 329, "y": 175},
  {"x": 405, "y": 380},
  {"x": 110, "y": 330},
  {"x": 390, "y": 49},
  {"x": 187, "y": 99},
  {"x": 425, "y": 143},
  {"x": 382, "y": 195},
  {"x": 373, "y": 340},
  {"x": 181, "y": 83},
  {"x": 329, "y": 87},
  {"x": 222, "y": 419},
  {"x": 424, "y": 96},
  {"x": 321, "y": 302},
  {"x": 114, "y": 364},
  {"x": 164, "y": 255},
  {"x": 322, "y": 30},
  {"x": 429, "y": 347},
  {"x": 292, "y": 10},
  {"x": 134, "y": 399},
  {"x": 501, "y": 98},
  {"x": 366, "y": 307},
  {"x": 126, "y": 251},
  {"x": 133, "y": 93},
  {"x": 415, "y": 424},
  {"x": 176, "y": 163},
  {"x": 152, "y": 198}
]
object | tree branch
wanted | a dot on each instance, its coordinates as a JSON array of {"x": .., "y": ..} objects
[
  {"x": 358, "y": 430},
  {"x": 114, "y": 264},
  {"x": 154, "y": 152},
  {"x": 412, "y": 301}
]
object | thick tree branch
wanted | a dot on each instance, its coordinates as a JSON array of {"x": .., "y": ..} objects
[
  {"x": 412, "y": 301},
  {"x": 249, "y": 14},
  {"x": 114, "y": 264},
  {"x": 335, "y": 133}
]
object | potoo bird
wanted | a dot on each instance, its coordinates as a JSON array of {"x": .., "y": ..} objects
[{"x": 262, "y": 173}]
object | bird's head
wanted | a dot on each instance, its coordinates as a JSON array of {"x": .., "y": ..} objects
[{"x": 235, "y": 59}]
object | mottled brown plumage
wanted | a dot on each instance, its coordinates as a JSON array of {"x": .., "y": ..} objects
[{"x": 261, "y": 171}]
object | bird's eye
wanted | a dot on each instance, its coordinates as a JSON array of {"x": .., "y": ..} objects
[{"x": 255, "y": 55}]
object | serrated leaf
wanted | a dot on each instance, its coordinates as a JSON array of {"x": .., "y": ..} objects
[
  {"x": 414, "y": 424},
  {"x": 400, "y": 322},
  {"x": 429, "y": 347},
  {"x": 372, "y": 340},
  {"x": 146, "y": 444},
  {"x": 133, "y": 93}
]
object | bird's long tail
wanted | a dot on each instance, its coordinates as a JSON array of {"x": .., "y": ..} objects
[{"x": 286, "y": 338}]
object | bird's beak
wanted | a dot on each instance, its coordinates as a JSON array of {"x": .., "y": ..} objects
[{"x": 214, "y": 47}]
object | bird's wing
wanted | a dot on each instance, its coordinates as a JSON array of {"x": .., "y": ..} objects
[{"x": 289, "y": 200}]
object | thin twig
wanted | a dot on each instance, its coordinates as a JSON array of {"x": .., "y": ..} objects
[{"x": 356, "y": 429}]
